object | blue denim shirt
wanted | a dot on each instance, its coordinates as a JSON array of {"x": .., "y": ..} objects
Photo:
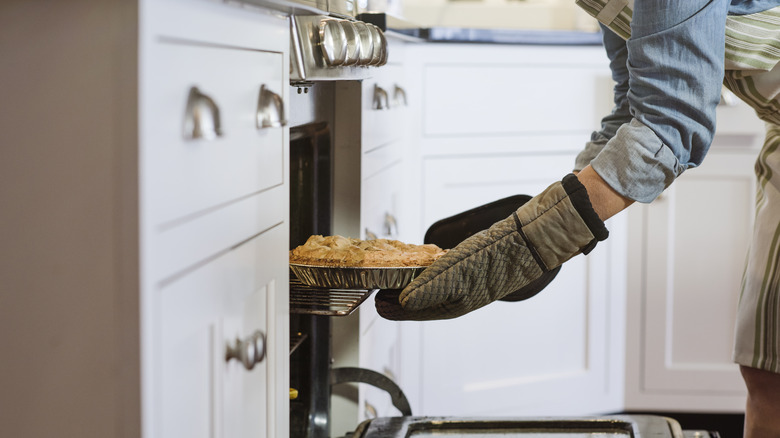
[{"x": 668, "y": 76}]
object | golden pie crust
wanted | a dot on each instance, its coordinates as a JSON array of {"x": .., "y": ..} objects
[{"x": 339, "y": 251}]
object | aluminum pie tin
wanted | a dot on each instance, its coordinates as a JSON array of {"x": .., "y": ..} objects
[{"x": 356, "y": 277}]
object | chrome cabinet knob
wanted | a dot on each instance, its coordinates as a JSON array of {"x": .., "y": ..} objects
[
  {"x": 250, "y": 351},
  {"x": 333, "y": 41},
  {"x": 201, "y": 117},
  {"x": 383, "y": 46},
  {"x": 366, "y": 43},
  {"x": 381, "y": 100},
  {"x": 353, "y": 43},
  {"x": 270, "y": 109},
  {"x": 376, "y": 50}
]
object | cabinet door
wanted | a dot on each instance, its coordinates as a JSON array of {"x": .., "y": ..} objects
[
  {"x": 202, "y": 393},
  {"x": 550, "y": 355},
  {"x": 694, "y": 239}
]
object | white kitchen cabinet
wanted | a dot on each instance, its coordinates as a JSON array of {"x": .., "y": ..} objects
[
  {"x": 214, "y": 222},
  {"x": 495, "y": 121},
  {"x": 686, "y": 259},
  {"x": 230, "y": 299},
  {"x": 152, "y": 252}
]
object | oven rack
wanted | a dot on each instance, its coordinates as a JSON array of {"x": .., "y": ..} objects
[
  {"x": 296, "y": 339},
  {"x": 313, "y": 300}
]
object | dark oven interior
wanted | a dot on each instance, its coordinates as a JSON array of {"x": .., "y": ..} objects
[{"x": 310, "y": 213}]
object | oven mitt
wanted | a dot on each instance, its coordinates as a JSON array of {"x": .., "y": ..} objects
[
  {"x": 551, "y": 228},
  {"x": 450, "y": 231}
]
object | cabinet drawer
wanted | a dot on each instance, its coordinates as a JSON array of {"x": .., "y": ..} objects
[
  {"x": 176, "y": 249},
  {"x": 380, "y": 203},
  {"x": 201, "y": 393},
  {"x": 512, "y": 99},
  {"x": 380, "y": 158},
  {"x": 182, "y": 176},
  {"x": 384, "y": 103},
  {"x": 216, "y": 22}
]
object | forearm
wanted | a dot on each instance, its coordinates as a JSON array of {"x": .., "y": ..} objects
[{"x": 604, "y": 199}]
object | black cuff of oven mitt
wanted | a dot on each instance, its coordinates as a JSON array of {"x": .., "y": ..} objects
[{"x": 581, "y": 202}]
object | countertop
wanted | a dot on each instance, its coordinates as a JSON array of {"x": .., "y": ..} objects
[{"x": 394, "y": 25}]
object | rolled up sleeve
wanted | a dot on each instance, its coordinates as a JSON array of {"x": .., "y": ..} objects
[
  {"x": 617, "y": 53},
  {"x": 674, "y": 60}
]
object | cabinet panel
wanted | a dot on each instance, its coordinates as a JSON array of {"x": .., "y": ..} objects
[
  {"x": 178, "y": 248},
  {"x": 550, "y": 355},
  {"x": 706, "y": 216},
  {"x": 453, "y": 185},
  {"x": 217, "y": 23},
  {"x": 384, "y": 102},
  {"x": 201, "y": 315},
  {"x": 380, "y": 203},
  {"x": 499, "y": 99},
  {"x": 185, "y": 177}
]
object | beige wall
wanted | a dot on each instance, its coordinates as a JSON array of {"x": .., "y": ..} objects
[{"x": 68, "y": 284}]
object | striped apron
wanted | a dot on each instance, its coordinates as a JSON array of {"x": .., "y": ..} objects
[{"x": 752, "y": 66}]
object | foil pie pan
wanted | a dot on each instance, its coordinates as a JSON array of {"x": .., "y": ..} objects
[{"x": 357, "y": 277}]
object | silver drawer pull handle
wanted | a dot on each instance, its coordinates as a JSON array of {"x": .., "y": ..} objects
[
  {"x": 391, "y": 225},
  {"x": 201, "y": 119},
  {"x": 727, "y": 97},
  {"x": 250, "y": 351},
  {"x": 371, "y": 412},
  {"x": 399, "y": 96},
  {"x": 381, "y": 100},
  {"x": 270, "y": 109}
]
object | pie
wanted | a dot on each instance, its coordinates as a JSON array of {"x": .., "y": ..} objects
[{"x": 339, "y": 251}]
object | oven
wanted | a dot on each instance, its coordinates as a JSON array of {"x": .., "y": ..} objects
[
  {"x": 314, "y": 190},
  {"x": 330, "y": 54}
]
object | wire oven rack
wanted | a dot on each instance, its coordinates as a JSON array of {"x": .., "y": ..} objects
[{"x": 312, "y": 300}]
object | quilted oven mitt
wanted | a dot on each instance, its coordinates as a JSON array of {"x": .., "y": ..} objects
[{"x": 551, "y": 228}]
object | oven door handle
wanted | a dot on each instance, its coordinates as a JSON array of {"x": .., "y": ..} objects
[{"x": 373, "y": 378}]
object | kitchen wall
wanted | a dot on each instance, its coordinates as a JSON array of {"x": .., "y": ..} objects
[{"x": 501, "y": 14}]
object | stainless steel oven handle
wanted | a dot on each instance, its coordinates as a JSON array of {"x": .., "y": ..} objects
[
  {"x": 249, "y": 352},
  {"x": 201, "y": 117},
  {"x": 270, "y": 109}
]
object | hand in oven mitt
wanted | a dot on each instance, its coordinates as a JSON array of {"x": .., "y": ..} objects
[{"x": 551, "y": 228}]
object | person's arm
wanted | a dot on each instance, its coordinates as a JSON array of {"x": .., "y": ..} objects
[{"x": 675, "y": 71}]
